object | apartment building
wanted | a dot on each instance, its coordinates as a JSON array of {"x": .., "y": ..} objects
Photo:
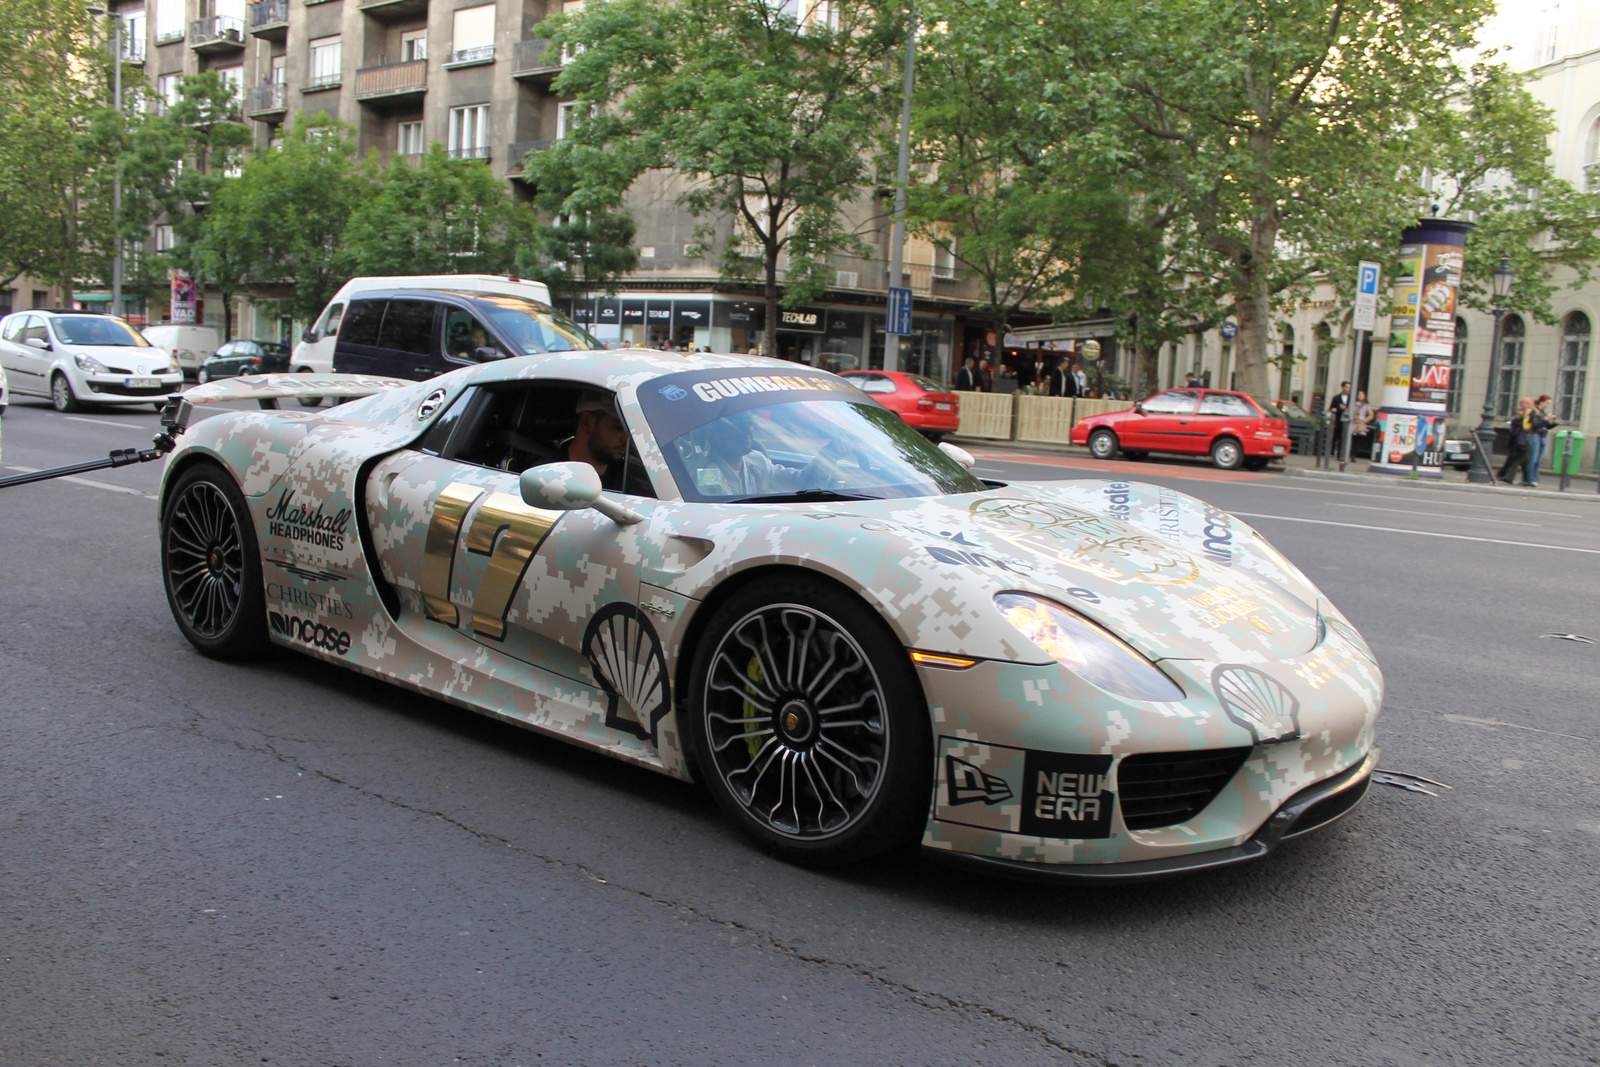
[{"x": 476, "y": 78}]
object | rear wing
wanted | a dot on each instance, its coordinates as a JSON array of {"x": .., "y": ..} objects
[{"x": 275, "y": 387}]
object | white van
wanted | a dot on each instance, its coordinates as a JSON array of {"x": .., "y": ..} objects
[
  {"x": 191, "y": 344},
  {"x": 314, "y": 352}
]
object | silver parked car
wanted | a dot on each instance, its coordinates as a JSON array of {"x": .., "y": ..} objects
[{"x": 81, "y": 357}]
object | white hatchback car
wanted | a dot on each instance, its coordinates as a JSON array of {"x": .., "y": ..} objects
[{"x": 78, "y": 357}]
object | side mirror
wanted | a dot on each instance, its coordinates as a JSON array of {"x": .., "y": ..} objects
[
  {"x": 571, "y": 486},
  {"x": 39, "y": 343},
  {"x": 487, "y": 354},
  {"x": 960, "y": 455},
  {"x": 309, "y": 335},
  {"x": 1138, "y": 409}
]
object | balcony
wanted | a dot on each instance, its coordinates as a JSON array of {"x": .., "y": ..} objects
[
  {"x": 265, "y": 100},
  {"x": 534, "y": 59},
  {"x": 269, "y": 19},
  {"x": 395, "y": 10},
  {"x": 474, "y": 152},
  {"x": 517, "y": 151},
  {"x": 219, "y": 33},
  {"x": 133, "y": 49},
  {"x": 470, "y": 57},
  {"x": 392, "y": 83}
]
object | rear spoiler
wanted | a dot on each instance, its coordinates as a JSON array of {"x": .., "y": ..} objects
[{"x": 276, "y": 387}]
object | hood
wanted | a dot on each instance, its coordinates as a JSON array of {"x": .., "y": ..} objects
[
  {"x": 1162, "y": 594},
  {"x": 123, "y": 359}
]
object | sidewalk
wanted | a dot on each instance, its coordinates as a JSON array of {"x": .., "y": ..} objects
[{"x": 1580, "y": 487}]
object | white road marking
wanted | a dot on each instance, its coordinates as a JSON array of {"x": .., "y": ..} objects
[
  {"x": 89, "y": 482},
  {"x": 104, "y": 422},
  {"x": 1419, "y": 533},
  {"x": 1408, "y": 511},
  {"x": 1417, "y": 499}
]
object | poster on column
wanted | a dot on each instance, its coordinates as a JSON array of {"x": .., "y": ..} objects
[
  {"x": 1433, "y": 337},
  {"x": 1403, "y": 317},
  {"x": 185, "y": 303}
]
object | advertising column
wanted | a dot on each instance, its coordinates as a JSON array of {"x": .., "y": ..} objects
[{"x": 1422, "y": 334}]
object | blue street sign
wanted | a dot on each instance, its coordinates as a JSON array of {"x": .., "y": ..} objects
[
  {"x": 899, "y": 311},
  {"x": 1367, "y": 282},
  {"x": 1230, "y": 330}
]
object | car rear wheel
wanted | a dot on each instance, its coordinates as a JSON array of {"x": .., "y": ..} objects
[
  {"x": 211, "y": 565},
  {"x": 1102, "y": 444},
  {"x": 808, "y": 724},
  {"x": 1227, "y": 453},
  {"x": 1141, "y": 454},
  {"x": 62, "y": 397},
  {"x": 202, "y": 376},
  {"x": 309, "y": 401}
]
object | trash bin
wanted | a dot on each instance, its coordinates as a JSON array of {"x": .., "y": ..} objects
[{"x": 1560, "y": 461}]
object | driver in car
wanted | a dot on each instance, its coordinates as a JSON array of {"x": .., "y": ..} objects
[{"x": 602, "y": 442}]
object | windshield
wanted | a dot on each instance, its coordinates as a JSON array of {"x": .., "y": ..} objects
[
  {"x": 778, "y": 445},
  {"x": 533, "y": 327},
  {"x": 927, "y": 383},
  {"x": 97, "y": 330}
]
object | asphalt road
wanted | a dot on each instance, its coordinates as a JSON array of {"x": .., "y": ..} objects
[{"x": 286, "y": 863}]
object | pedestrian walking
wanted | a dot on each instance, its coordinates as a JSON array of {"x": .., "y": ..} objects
[
  {"x": 1080, "y": 380},
  {"x": 1361, "y": 417},
  {"x": 1517, "y": 441},
  {"x": 966, "y": 379},
  {"x": 986, "y": 376},
  {"x": 1540, "y": 424},
  {"x": 1193, "y": 381}
]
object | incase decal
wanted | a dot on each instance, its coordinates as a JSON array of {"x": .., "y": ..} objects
[
  {"x": 1065, "y": 795},
  {"x": 309, "y": 632}
]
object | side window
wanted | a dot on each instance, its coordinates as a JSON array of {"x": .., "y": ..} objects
[
  {"x": 225, "y": 350},
  {"x": 35, "y": 331},
  {"x": 12, "y": 331},
  {"x": 1172, "y": 402},
  {"x": 246, "y": 348},
  {"x": 873, "y": 383},
  {"x": 360, "y": 327},
  {"x": 1226, "y": 404},
  {"x": 330, "y": 321},
  {"x": 408, "y": 327},
  {"x": 463, "y": 335}
]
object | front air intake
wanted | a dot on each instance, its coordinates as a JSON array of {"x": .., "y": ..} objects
[{"x": 1167, "y": 788}]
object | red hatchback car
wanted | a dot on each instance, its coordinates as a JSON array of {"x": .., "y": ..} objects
[
  {"x": 924, "y": 403},
  {"x": 1235, "y": 429}
]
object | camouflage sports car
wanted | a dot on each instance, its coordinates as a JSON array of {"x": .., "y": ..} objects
[{"x": 748, "y": 573}]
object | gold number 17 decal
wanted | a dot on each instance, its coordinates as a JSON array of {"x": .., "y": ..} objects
[{"x": 505, "y": 529}]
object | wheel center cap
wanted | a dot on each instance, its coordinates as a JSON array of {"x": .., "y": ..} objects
[
  {"x": 214, "y": 559},
  {"x": 796, "y": 721}
]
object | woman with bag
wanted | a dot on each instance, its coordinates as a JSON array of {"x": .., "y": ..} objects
[
  {"x": 1361, "y": 415},
  {"x": 1517, "y": 440},
  {"x": 1540, "y": 424}
]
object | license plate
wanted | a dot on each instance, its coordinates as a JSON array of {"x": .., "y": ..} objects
[
  {"x": 1277, "y": 450},
  {"x": 144, "y": 383},
  {"x": 941, "y": 407}
]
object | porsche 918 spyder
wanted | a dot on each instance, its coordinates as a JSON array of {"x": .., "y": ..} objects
[{"x": 748, "y": 573}]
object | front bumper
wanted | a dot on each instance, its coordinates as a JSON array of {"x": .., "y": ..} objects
[
  {"x": 114, "y": 389},
  {"x": 1310, "y": 809}
]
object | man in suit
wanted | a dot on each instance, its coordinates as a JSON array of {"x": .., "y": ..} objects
[{"x": 966, "y": 379}]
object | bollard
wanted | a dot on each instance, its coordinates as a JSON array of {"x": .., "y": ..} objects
[{"x": 1566, "y": 460}]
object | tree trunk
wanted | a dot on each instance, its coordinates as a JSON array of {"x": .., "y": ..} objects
[
  {"x": 1142, "y": 381},
  {"x": 769, "y": 331}
]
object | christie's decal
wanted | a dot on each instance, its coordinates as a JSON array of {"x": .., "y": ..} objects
[
  {"x": 308, "y": 601},
  {"x": 309, "y": 632},
  {"x": 296, "y": 522}
]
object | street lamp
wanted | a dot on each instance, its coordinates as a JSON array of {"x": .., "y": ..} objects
[
  {"x": 116, "y": 181},
  {"x": 1482, "y": 469}
]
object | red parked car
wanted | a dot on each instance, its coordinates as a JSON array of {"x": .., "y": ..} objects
[
  {"x": 922, "y": 402},
  {"x": 1235, "y": 429}
]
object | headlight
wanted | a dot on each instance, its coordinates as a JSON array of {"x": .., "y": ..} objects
[
  {"x": 89, "y": 365},
  {"x": 1086, "y": 649}
]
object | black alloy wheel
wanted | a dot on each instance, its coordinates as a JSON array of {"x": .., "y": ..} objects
[
  {"x": 809, "y": 725},
  {"x": 211, "y": 565}
]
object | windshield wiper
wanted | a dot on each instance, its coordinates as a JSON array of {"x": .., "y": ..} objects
[{"x": 804, "y": 494}]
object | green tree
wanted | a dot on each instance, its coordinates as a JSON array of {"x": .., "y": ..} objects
[
  {"x": 287, "y": 212},
  {"x": 1290, "y": 134},
  {"x": 53, "y": 65},
  {"x": 443, "y": 216},
  {"x": 769, "y": 119}
]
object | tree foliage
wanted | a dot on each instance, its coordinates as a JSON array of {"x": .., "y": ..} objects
[{"x": 769, "y": 112}]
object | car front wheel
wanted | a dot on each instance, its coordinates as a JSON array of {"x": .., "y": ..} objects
[
  {"x": 1102, "y": 444},
  {"x": 1227, "y": 453},
  {"x": 309, "y": 401},
  {"x": 62, "y": 397},
  {"x": 808, "y": 724},
  {"x": 211, "y": 565}
]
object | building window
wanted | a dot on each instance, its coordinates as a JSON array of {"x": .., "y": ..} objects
[
  {"x": 944, "y": 262},
  {"x": 1513, "y": 336},
  {"x": 409, "y": 140},
  {"x": 133, "y": 34},
  {"x": 163, "y": 238},
  {"x": 1319, "y": 378},
  {"x": 469, "y": 132},
  {"x": 472, "y": 35},
  {"x": 1286, "y": 362},
  {"x": 413, "y": 45},
  {"x": 234, "y": 79},
  {"x": 166, "y": 92},
  {"x": 327, "y": 60},
  {"x": 1458, "y": 369},
  {"x": 169, "y": 21},
  {"x": 566, "y": 120},
  {"x": 1591, "y": 157},
  {"x": 1574, "y": 368}
]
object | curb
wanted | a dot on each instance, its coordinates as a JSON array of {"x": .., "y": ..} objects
[{"x": 1580, "y": 486}]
